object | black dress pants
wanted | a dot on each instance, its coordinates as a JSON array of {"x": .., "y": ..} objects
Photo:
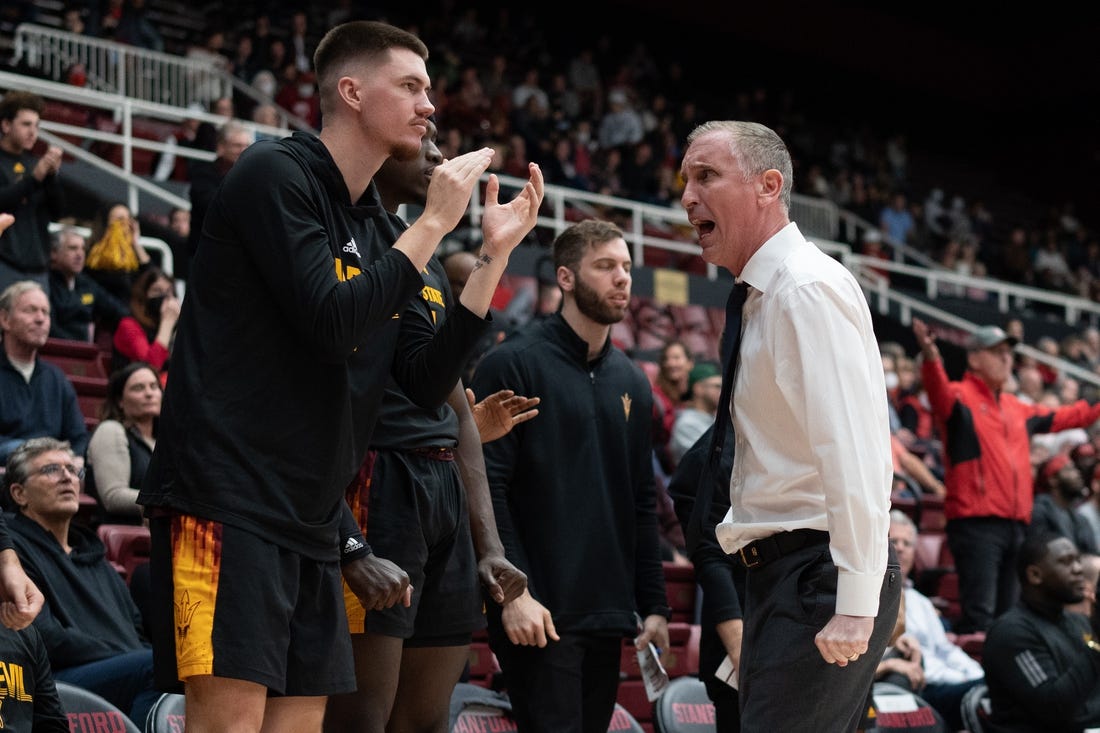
[
  {"x": 785, "y": 684},
  {"x": 568, "y": 686}
]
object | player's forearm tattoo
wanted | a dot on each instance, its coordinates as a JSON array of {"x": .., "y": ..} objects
[{"x": 482, "y": 260}]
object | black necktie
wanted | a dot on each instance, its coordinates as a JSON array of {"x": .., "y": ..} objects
[{"x": 731, "y": 342}]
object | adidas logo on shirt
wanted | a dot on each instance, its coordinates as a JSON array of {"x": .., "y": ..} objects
[{"x": 351, "y": 248}]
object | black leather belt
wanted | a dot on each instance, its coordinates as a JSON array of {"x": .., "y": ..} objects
[{"x": 764, "y": 550}]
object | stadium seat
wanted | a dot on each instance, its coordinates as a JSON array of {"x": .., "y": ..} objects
[
  {"x": 166, "y": 715},
  {"x": 947, "y": 596},
  {"x": 483, "y": 664},
  {"x": 684, "y": 708},
  {"x": 651, "y": 369},
  {"x": 89, "y": 512},
  {"x": 898, "y": 709},
  {"x": 681, "y": 589},
  {"x": 90, "y": 713},
  {"x": 976, "y": 708},
  {"x": 932, "y": 518},
  {"x": 75, "y": 358},
  {"x": 679, "y": 657},
  {"x": 971, "y": 643},
  {"x": 632, "y": 698},
  {"x": 622, "y": 335},
  {"x": 474, "y": 708},
  {"x": 691, "y": 317},
  {"x": 127, "y": 545},
  {"x": 91, "y": 392},
  {"x": 623, "y": 722}
]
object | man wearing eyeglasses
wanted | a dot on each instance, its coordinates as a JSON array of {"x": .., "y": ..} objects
[{"x": 89, "y": 623}]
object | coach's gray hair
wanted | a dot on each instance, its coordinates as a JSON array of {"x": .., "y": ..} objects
[{"x": 757, "y": 148}]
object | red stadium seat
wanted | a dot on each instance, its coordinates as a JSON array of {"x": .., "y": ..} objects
[
  {"x": 127, "y": 545},
  {"x": 79, "y": 358},
  {"x": 483, "y": 664},
  {"x": 91, "y": 392},
  {"x": 681, "y": 590}
]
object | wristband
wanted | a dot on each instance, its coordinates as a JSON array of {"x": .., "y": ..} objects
[{"x": 352, "y": 549}]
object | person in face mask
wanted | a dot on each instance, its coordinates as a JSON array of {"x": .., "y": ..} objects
[
  {"x": 147, "y": 333},
  {"x": 1055, "y": 509}
]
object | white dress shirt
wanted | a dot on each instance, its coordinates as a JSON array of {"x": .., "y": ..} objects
[{"x": 809, "y": 408}]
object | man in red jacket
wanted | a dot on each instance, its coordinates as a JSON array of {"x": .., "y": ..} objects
[{"x": 986, "y": 436}]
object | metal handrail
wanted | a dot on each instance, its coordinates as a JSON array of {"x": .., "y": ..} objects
[
  {"x": 151, "y": 76},
  {"x": 1008, "y": 295},
  {"x": 141, "y": 74},
  {"x": 123, "y": 110},
  {"x": 882, "y": 297}
]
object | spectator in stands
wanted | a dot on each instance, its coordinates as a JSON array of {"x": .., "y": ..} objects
[
  {"x": 176, "y": 236},
  {"x": 170, "y": 165},
  {"x": 266, "y": 114},
  {"x": 669, "y": 388},
  {"x": 1062, "y": 490},
  {"x": 948, "y": 671},
  {"x": 1042, "y": 663},
  {"x": 1090, "y": 566},
  {"x": 911, "y": 402},
  {"x": 621, "y": 126},
  {"x": 36, "y": 398},
  {"x": 211, "y": 53},
  {"x": 233, "y": 139},
  {"x": 72, "y": 19},
  {"x": 986, "y": 433},
  {"x": 1029, "y": 384},
  {"x": 243, "y": 62},
  {"x": 206, "y": 134},
  {"x": 116, "y": 256},
  {"x": 1089, "y": 509},
  {"x": 135, "y": 27},
  {"x": 78, "y": 304},
  {"x": 301, "y": 48},
  {"x": 29, "y": 190},
  {"x": 902, "y": 664},
  {"x": 1050, "y": 266},
  {"x": 147, "y": 333},
  {"x": 89, "y": 623},
  {"x": 123, "y": 441},
  {"x": 261, "y": 39},
  {"x": 895, "y": 220},
  {"x": 911, "y": 474},
  {"x": 697, "y": 413},
  {"x": 31, "y": 702},
  {"x": 560, "y": 643}
]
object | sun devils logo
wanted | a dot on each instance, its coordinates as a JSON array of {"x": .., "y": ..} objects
[
  {"x": 626, "y": 405},
  {"x": 185, "y": 611}
]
